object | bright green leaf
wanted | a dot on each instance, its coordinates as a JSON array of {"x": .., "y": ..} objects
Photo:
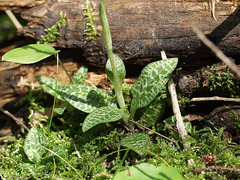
[
  {"x": 138, "y": 140},
  {"x": 145, "y": 171},
  {"x": 102, "y": 115},
  {"x": 29, "y": 54},
  {"x": 121, "y": 72},
  {"x": 80, "y": 76},
  {"x": 151, "y": 81},
  {"x": 85, "y": 98},
  {"x": 33, "y": 145}
]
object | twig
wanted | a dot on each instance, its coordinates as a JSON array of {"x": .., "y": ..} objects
[
  {"x": 212, "y": 9},
  {"x": 65, "y": 70},
  {"x": 76, "y": 150},
  {"x": 107, "y": 175},
  {"x": 216, "y": 168},
  {"x": 215, "y": 98},
  {"x": 217, "y": 51},
  {"x": 176, "y": 110},
  {"x": 153, "y": 131},
  {"x": 13, "y": 19},
  {"x": 11, "y": 160},
  {"x": 18, "y": 121}
]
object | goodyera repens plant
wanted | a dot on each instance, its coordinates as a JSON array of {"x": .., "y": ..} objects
[{"x": 100, "y": 106}]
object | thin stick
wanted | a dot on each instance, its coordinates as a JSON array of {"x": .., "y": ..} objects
[
  {"x": 13, "y": 19},
  {"x": 216, "y": 168},
  {"x": 55, "y": 95},
  {"x": 217, "y": 51},
  {"x": 18, "y": 121},
  {"x": 215, "y": 98},
  {"x": 77, "y": 152},
  {"x": 154, "y": 132},
  {"x": 176, "y": 110}
]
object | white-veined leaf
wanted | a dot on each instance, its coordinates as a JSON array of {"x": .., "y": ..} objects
[
  {"x": 48, "y": 84},
  {"x": 138, "y": 140},
  {"x": 154, "y": 111},
  {"x": 102, "y": 115},
  {"x": 58, "y": 150},
  {"x": 32, "y": 145},
  {"x": 85, "y": 98},
  {"x": 80, "y": 76},
  {"x": 151, "y": 81},
  {"x": 121, "y": 72}
]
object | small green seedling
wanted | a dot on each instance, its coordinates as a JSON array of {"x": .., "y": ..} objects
[
  {"x": 222, "y": 80},
  {"x": 189, "y": 128},
  {"x": 91, "y": 30},
  {"x": 52, "y": 33}
]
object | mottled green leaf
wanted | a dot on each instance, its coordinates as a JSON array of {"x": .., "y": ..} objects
[
  {"x": 102, "y": 115},
  {"x": 145, "y": 171},
  {"x": 153, "y": 112},
  {"x": 170, "y": 120},
  {"x": 121, "y": 72},
  {"x": 60, "y": 109},
  {"x": 48, "y": 84},
  {"x": 80, "y": 76},
  {"x": 58, "y": 150},
  {"x": 29, "y": 54},
  {"x": 32, "y": 145},
  {"x": 138, "y": 140},
  {"x": 85, "y": 98},
  {"x": 151, "y": 81}
]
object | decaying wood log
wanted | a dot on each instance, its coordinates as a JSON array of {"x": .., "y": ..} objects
[
  {"x": 16, "y": 79},
  {"x": 140, "y": 28},
  {"x": 227, "y": 117},
  {"x": 18, "y": 5},
  {"x": 201, "y": 82}
]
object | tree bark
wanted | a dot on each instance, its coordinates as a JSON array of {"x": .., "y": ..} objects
[{"x": 141, "y": 28}]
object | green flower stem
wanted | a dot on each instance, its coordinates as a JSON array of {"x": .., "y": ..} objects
[
  {"x": 55, "y": 96},
  {"x": 122, "y": 161},
  {"x": 108, "y": 43},
  {"x": 65, "y": 70}
]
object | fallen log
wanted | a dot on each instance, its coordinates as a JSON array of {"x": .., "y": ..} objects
[
  {"x": 140, "y": 28},
  {"x": 215, "y": 80}
]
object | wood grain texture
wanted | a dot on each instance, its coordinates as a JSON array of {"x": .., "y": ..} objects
[
  {"x": 17, "y": 6},
  {"x": 140, "y": 28}
]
